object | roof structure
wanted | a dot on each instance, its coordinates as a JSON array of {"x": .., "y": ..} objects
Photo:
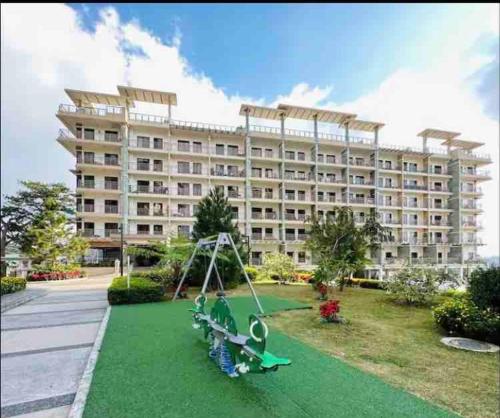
[
  {"x": 362, "y": 125},
  {"x": 462, "y": 143},
  {"x": 438, "y": 134},
  {"x": 89, "y": 98},
  {"x": 148, "y": 96},
  {"x": 322, "y": 115},
  {"x": 261, "y": 112}
]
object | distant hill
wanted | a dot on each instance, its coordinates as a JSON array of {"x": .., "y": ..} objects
[{"x": 492, "y": 261}]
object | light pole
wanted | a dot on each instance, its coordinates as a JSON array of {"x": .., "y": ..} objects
[{"x": 121, "y": 250}]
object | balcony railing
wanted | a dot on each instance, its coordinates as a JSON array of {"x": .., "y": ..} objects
[
  {"x": 97, "y": 185},
  {"x": 100, "y": 209},
  {"x": 442, "y": 222},
  {"x": 142, "y": 166},
  {"x": 148, "y": 189},
  {"x": 362, "y": 200},
  {"x": 439, "y": 189},
  {"x": 467, "y": 189},
  {"x": 91, "y": 111},
  {"x": 97, "y": 160},
  {"x": 393, "y": 167},
  {"x": 360, "y": 182},
  {"x": 107, "y": 137},
  {"x": 414, "y": 187},
  {"x": 227, "y": 173},
  {"x": 475, "y": 172}
]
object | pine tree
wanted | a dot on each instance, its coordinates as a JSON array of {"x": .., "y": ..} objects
[{"x": 214, "y": 216}]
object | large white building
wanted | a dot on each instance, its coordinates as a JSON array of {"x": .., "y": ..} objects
[{"x": 148, "y": 172}]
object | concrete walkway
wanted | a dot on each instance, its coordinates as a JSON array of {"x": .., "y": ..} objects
[{"x": 45, "y": 345}]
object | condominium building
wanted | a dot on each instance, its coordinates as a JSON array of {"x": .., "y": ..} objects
[{"x": 146, "y": 173}]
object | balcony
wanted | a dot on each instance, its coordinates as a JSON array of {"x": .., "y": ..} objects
[
  {"x": 97, "y": 185},
  {"x": 233, "y": 194},
  {"x": 298, "y": 177},
  {"x": 389, "y": 186},
  {"x": 469, "y": 155},
  {"x": 113, "y": 112},
  {"x": 471, "y": 205},
  {"x": 143, "y": 166},
  {"x": 439, "y": 171},
  {"x": 360, "y": 163},
  {"x": 414, "y": 187},
  {"x": 271, "y": 216},
  {"x": 196, "y": 170},
  {"x": 442, "y": 222},
  {"x": 361, "y": 182},
  {"x": 439, "y": 189},
  {"x": 392, "y": 167},
  {"x": 182, "y": 214},
  {"x": 362, "y": 200},
  {"x": 475, "y": 172},
  {"x": 97, "y": 160},
  {"x": 227, "y": 173},
  {"x": 439, "y": 240},
  {"x": 468, "y": 189},
  {"x": 65, "y": 134},
  {"x": 256, "y": 215},
  {"x": 146, "y": 211},
  {"x": 148, "y": 189},
  {"x": 99, "y": 209}
]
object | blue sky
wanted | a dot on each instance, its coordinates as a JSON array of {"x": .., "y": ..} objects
[
  {"x": 410, "y": 66},
  {"x": 263, "y": 50}
]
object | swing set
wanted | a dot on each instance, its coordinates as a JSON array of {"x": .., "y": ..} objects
[{"x": 233, "y": 352}]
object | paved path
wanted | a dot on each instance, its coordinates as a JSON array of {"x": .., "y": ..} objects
[{"x": 45, "y": 345}]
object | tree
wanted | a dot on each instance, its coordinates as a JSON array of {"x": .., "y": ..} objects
[
  {"x": 214, "y": 216},
  {"x": 278, "y": 265},
  {"x": 51, "y": 239},
  {"x": 341, "y": 246},
  {"x": 172, "y": 255},
  {"x": 24, "y": 209}
]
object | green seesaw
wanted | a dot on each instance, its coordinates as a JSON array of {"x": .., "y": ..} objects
[{"x": 234, "y": 353}]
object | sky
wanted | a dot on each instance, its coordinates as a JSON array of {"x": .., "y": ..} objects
[{"x": 409, "y": 66}]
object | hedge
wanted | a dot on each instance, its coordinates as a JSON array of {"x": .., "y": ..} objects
[
  {"x": 12, "y": 284},
  {"x": 142, "y": 290},
  {"x": 365, "y": 283}
]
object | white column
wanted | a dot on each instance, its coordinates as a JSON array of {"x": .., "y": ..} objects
[
  {"x": 124, "y": 171},
  {"x": 282, "y": 174},
  {"x": 248, "y": 171}
]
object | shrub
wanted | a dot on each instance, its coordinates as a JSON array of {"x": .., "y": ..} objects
[
  {"x": 12, "y": 284},
  {"x": 370, "y": 283},
  {"x": 329, "y": 310},
  {"x": 141, "y": 290},
  {"x": 279, "y": 267},
  {"x": 413, "y": 285},
  {"x": 459, "y": 315},
  {"x": 252, "y": 273},
  {"x": 484, "y": 288}
]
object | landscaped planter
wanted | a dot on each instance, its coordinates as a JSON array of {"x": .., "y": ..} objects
[{"x": 54, "y": 275}]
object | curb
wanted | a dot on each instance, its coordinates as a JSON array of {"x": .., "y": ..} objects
[
  {"x": 78, "y": 405},
  {"x": 28, "y": 297}
]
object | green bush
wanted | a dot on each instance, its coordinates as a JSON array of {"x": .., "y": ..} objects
[
  {"x": 12, "y": 284},
  {"x": 413, "y": 285},
  {"x": 142, "y": 290},
  {"x": 484, "y": 288},
  {"x": 460, "y": 316},
  {"x": 251, "y": 272}
]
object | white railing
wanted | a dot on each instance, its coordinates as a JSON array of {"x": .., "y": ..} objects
[{"x": 91, "y": 111}]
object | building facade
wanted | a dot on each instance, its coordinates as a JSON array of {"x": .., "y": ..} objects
[{"x": 146, "y": 174}]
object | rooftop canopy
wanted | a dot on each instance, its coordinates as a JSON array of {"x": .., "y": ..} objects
[
  {"x": 322, "y": 115},
  {"x": 438, "y": 134},
  {"x": 89, "y": 98},
  {"x": 260, "y": 112},
  {"x": 148, "y": 96},
  {"x": 462, "y": 143},
  {"x": 362, "y": 125}
]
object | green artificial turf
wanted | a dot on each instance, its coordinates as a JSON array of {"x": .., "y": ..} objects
[{"x": 154, "y": 364}]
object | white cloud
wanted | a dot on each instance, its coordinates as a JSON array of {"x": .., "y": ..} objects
[{"x": 45, "y": 49}]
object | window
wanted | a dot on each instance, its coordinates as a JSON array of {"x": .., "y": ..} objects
[
  {"x": 183, "y": 231},
  {"x": 256, "y": 258},
  {"x": 219, "y": 169},
  {"x": 301, "y": 156},
  {"x": 301, "y": 257},
  {"x": 232, "y": 150},
  {"x": 143, "y": 164},
  {"x": 143, "y": 208},
  {"x": 197, "y": 147},
  {"x": 183, "y": 146},
  {"x": 268, "y": 193},
  {"x": 142, "y": 229},
  {"x": 290, "y": 155},
  {"x": 182, "y": 167},
  {"x": 232, "y": 170},
  {"x": 88, "y": 205},
  {"x": 142, "y": 186},
  {"x": 157, "y": 165},
  {"x": 196, "y": 189},
  {"x": 256, "y": 152},
  {"x": 269, "y": 153},
  {"x": 158, "y": 229},
  {"x": 196, "y": 168},
  {"x": 183, "y": 189},
  {"x": 111, "y": 159},
  {"x": 111, "y": 183},
  {"x": 89, "y": 134},
  {"x": 157, "y": 209},
  {"x": 110, "y": 228},
  {"x": 219, "y": 149},
  {"x": 88, "y": 158},
  {"x": 143, "y": 141},
  {"x": 269, "y": 173},
  {"x": 158, "y": 144},
  {"x": 111, "y": 206},
  {"x": 290, "y": 254},
  {"x": 269, "y": 233},
  {"x": 111, "y": 136},
  {"x": 330, "y": 159}
]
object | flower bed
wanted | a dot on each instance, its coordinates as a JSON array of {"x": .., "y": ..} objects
[{"x": 41, "y": 276}]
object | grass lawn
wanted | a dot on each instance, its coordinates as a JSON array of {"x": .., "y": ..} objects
[
  {"x": 153, "y": 364},
  {"x": 400, "y": 344}
]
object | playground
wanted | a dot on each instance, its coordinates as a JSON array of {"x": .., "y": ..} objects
[{"x": 153, "y": 363}]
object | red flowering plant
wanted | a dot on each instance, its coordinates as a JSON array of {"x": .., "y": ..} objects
[{"x": 329, "y": 311}]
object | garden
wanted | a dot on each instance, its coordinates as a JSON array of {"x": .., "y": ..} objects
[{"x": 358, "y": 347}]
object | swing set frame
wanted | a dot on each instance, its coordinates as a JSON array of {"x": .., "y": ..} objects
[{"x": 223, "y": 239}]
